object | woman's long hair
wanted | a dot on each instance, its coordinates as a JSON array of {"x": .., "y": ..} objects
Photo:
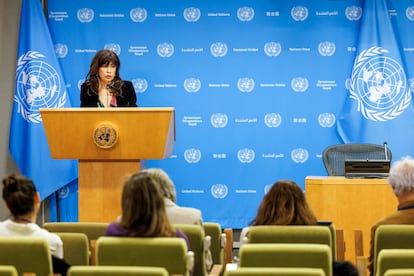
[
  {"x": 101, "y": 58},
  {"x": 284, "y": 204},
  {"x": 143, "y": 208}
]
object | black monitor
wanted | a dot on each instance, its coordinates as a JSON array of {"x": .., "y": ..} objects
[{"x": 367, "y": 168}]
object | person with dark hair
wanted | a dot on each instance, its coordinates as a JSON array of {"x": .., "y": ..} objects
[
  {"x": 285, "y": 204},
  {"x": 143, "y": 211},
  {"x": 23, "y": 201},
  {"x": 103, "y": 86}
]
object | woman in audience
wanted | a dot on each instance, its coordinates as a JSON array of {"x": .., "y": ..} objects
[
  {"x": 285, "y": 204},
  {"x": 23, "y": 202},
  {"x": 143, "y": 211}
]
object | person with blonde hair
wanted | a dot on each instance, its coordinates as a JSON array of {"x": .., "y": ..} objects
[{"x": 401, "y": 180}]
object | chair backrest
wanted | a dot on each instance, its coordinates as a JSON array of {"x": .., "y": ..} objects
[
  {"x": 294, "y": 255},
  {"x": 75, "y": 248},
  {"x": 8, "y": 270},
  {"x": 218, "y": 241},
  {"x": 317, "y": 234},
  {"x": 116, "y": 271},
  {"x": 27, "y": 254},
  {"x": 196, "y": 238},
  {"x": 275, "y": 271},
  {"x": 394, "y": 258},
  {"x": 393, "y": 236},
  {"x": 170, "y": 253},
  {"x": 399, "y": 272},
  {"x": 334, "y": 156},
  {"x": 93, "y": 230}
]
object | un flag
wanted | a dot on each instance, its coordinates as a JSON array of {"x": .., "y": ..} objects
[
  {"x": 39, "y": 83},
  {"x": 379, "y": 107}
]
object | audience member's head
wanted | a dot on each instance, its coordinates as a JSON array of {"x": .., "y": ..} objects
[
  {"x": 284, "y": 204},
  {"x": 143, "y": 209},
  {"x": 401, "y": 176},
  {"x": 20, "y": 195},
  {"x": 166, "y": 184}
]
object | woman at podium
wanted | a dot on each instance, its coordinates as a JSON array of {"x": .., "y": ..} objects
[{"x": 103, "y": 86}]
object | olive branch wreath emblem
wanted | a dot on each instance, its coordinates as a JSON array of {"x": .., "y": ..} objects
[
  {"x": 33, "y": 117},
  {"x": 370, "y": 113}
]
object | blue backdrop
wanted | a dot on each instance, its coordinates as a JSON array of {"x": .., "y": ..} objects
[{"x": 257, "y": 85}]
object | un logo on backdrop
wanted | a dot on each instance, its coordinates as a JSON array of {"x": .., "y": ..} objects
[
  {"x": 140, "y": 85},
  {"x": 326, "y": 48},
  {"x": 138, "y": 15},
  {"x": 219, "y": 120},
  {"x": 192, "y": 155},
  {"x": 267, "y": 188},
  {"x": 245, "y": 85},
  {"x": 191, "y": 14},
  {"x": 245, "y": 14},
  {"x": 411, "y": 84},
  {"x": 326, "y": 119},
  {"x": 64, "y": 192},
  {"x": 38, "y": 85},
  {"x": 61, "y": 50},
  {"x": 409, "y": 12},
  {"x": 299, "y": 13},
  {"x": 192, "y": 85},
  {"x": 85, "y": 15},
  {"x": 299, "y": 84},
  {"x": 299, "y": 155},
  {"x": 272, "y": 119},
  {"x": 219, "y": 190},
  {"x": 246, "y": 155},
  {"x": 113, "y": 47},
  {"x": 272, "y": 49},
  {"x": 218, "y": 49},
  {"x": 353, "y": 13},
  {"x": 379, "y": 85},
  {"x": 165, "y": 50}
]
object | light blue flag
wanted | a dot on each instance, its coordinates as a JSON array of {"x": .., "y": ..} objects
[
  {"x": 379, "y": 107},
  {"x": 39, "y": 83}
]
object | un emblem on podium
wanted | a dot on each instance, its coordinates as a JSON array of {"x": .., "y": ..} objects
[{"x": 105, "y": 136}]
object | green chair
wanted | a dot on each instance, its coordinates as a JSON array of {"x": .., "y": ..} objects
[
  {"x": 317, "y": 234},
  {"x": 394, "y": 258},
  {"x": 275, "y": 271},
  {"x": 8, "y": 270},
  {"x": 218, "y": 241},
  {"x": 399, "y": 272},
  {"x": 170, "y": 253},
  {"x": 294, "y": 255},
  {"x": 75, "y": 248},
  {"x": 26, "y": 254},
  {"x": 93, "y": 230},
  {"x": 116, "y": 271},
  {"x": 392, "y": 236},
  {"x": 199, "y": 244}
]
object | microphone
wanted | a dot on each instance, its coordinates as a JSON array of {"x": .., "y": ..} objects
[{"x": 386, "y": 150}]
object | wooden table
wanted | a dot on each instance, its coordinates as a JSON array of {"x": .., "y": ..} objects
[{"x": 351, "y": 204}]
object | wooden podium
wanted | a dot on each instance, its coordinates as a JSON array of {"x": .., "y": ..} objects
[
  {"x": 351, "y": 204},
  {"x": 109, "y": 143}
]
